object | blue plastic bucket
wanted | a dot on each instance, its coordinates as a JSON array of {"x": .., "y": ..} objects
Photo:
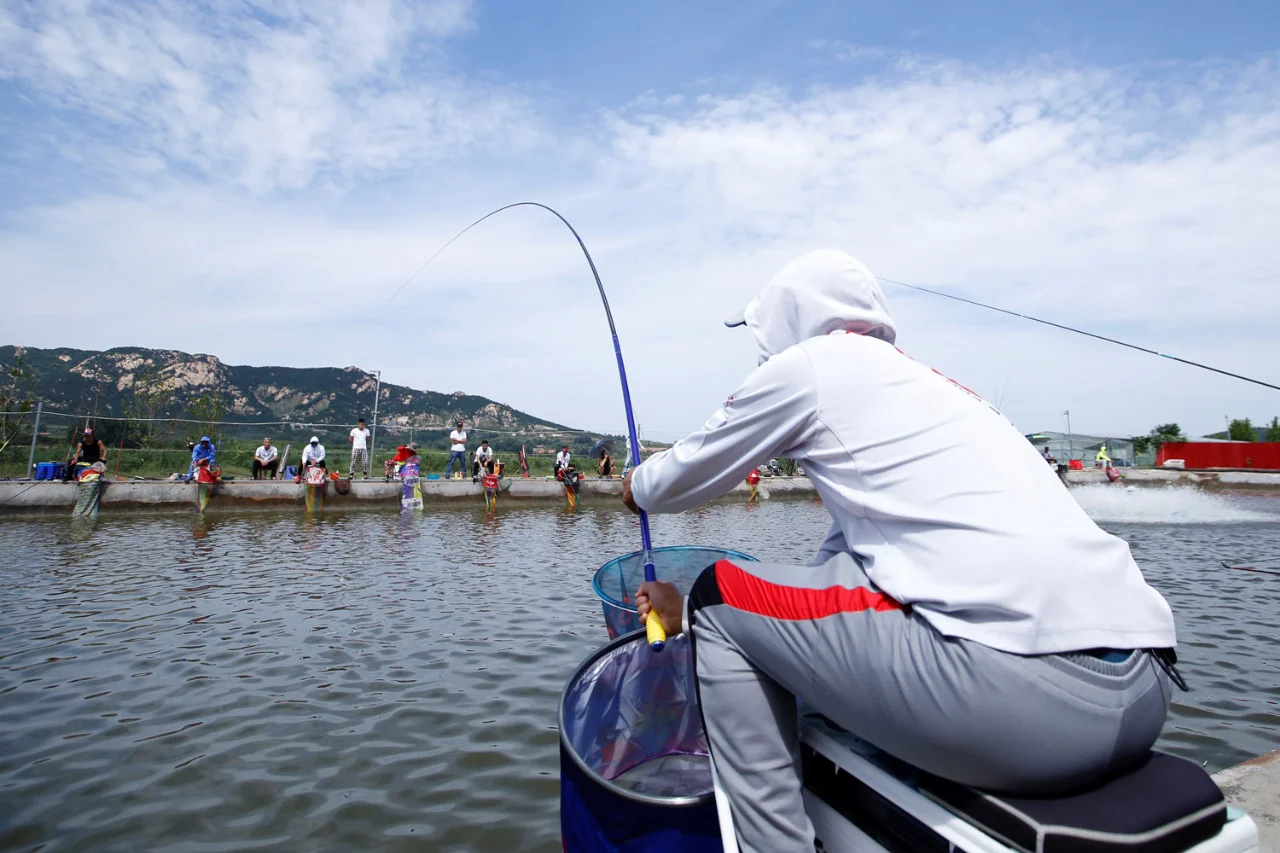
[
  {"x": 617, "y": 580},
  {"x": 635, "y": 776}
]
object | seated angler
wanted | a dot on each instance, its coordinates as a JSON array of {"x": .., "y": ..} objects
[
  {"x": 89, "y": 450},
  {"x": 312, "y": 457},
  {"x": 204, "y": 452},
  {"x": 266, "y": 461},
  {"x": 970, "y": 620}
]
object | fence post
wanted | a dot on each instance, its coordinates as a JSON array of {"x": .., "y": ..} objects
[
  {"x": 35, "y": 433},
  {"x": 373, "y": 434}
]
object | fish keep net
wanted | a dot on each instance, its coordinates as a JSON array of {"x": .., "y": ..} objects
[
  {"x": 616, "y": 581},
  {"x": 635, "y": 776}
]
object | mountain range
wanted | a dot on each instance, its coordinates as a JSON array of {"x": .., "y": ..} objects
[{"x": 168, "y": 384}]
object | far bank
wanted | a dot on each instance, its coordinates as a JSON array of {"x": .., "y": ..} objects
[{"x": 17, "y": 496}]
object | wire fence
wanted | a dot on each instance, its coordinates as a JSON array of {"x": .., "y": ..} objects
[{"x": 161, "y": 447}]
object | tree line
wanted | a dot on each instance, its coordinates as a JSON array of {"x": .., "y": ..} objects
[{"x": 1238, "y": 430}]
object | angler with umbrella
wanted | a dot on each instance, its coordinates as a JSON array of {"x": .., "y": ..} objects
[{"x": 601, "y": 451}]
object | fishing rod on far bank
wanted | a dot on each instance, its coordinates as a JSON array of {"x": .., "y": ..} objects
[{"x": 655, "y": 633}]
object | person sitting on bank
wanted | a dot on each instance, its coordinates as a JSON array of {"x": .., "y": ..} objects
[
  {"x": 404, "y": 453},
  {"x": 970, "y": 620},
  {"x": 484, "y": 458},
  {"x": 563, "y": 459},
  {"x": 203, "y": 451},
  {"x": 312, "y": 454},
  {"x": 266, "y": 458},
  {"x": 89, "y": 449},
  {"x": 605, "y": 468}
]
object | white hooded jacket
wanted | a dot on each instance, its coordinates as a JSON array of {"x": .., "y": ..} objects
[{"x": 944, "y": 504}]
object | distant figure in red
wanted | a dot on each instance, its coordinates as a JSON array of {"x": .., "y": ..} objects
[{"x": 404, "y": 452}]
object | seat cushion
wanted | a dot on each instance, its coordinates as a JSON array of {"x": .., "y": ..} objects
[{"x": 1164, "y": 805}]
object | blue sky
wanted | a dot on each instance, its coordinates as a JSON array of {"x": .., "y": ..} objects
[{"x": 254, "y": 180}]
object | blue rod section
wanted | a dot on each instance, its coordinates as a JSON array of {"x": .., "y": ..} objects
[{"x": 646, "y": 542}]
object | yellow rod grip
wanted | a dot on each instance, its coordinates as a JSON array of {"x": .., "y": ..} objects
[{"x": 654, "y": 631}]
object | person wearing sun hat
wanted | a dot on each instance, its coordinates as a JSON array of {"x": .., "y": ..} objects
[{"x": 970, "y": 620}]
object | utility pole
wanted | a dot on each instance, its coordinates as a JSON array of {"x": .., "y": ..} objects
[
  {"x": 373, "y": 433},
  {"x": 1071, "y": 444},
  {"x": 35, "y": 433}
]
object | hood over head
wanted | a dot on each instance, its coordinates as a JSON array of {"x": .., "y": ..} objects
[
  {"x": 204, "y": 439},
  {"x": 814, "y": 295}
]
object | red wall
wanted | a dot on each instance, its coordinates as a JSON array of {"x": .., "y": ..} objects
[{"x": 1254, "y": 454}]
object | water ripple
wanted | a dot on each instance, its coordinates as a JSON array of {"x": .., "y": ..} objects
[{"x": 370, "y": 680}]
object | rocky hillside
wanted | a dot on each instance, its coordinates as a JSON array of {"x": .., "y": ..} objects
[{"x": 127, "y": 381}]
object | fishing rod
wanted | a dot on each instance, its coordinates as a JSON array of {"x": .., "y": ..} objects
[
  {"x": 1080, "y": 332},
  {"x": 1227, "y": 565},
  {"x": 654, "y": 631}
]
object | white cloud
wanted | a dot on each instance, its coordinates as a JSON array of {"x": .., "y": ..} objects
[
  {"x": 268, "y": 95},
  {"x": 1134, "y": 201}
]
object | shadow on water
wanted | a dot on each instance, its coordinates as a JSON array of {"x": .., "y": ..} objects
[{"x": 389, "y": 680}]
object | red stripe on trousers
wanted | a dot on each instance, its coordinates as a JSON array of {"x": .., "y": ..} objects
[{"x": 743, "y": 591}]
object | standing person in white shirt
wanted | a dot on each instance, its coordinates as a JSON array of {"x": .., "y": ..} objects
[
  {"x": 457, "y": 450},
  {"x": 359, "y": 439},
  {"x": 970, "y": 620},
  {"x": 266, "y": 458}
]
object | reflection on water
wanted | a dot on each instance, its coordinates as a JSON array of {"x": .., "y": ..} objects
[{"x": 384, "y": 680}]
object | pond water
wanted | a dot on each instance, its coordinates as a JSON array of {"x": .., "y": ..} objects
[{"x": 373, "y": 681}]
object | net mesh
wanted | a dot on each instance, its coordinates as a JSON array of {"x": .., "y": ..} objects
[
  {"x": 616, "y": 581},
  {"x": 630, "y": 715}
]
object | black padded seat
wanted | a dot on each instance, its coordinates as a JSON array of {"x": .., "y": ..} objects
[{"x": 1164, "y": 805}]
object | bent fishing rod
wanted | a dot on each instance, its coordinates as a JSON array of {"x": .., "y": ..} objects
[
  {"x": 1079, "y": 332},
  {"x": 655, "y": 633}
]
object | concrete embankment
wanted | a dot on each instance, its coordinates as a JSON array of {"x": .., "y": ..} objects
[
  {"x": 1254, "y": 788},
  {"x": 28, "y": 496}
]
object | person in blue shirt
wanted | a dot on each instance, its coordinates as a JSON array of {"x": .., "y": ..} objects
[{"x": 204, "y": 450}]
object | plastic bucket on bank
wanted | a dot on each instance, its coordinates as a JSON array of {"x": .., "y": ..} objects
[
  {"x": 617, "y": 580},
  {"x": 635, "y": 776}
]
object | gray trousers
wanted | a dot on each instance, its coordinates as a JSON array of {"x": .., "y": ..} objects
[
  {"x": 764, "y": 635},
  {"x": 359, "y": 458}
]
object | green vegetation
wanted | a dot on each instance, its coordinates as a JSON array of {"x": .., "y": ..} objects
[
  {"x": 1241, "y": 430},
  {"x": 1244, "y": 430},
  {"x": 17, "y": 393},
  {"x": 1162, "y": 434}
]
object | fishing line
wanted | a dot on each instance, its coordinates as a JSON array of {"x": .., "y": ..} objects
[
  {"x": 1080, "y": 332},
  {"x": 1227, "y": 565},
  {"x": 656, "y": 635}
]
